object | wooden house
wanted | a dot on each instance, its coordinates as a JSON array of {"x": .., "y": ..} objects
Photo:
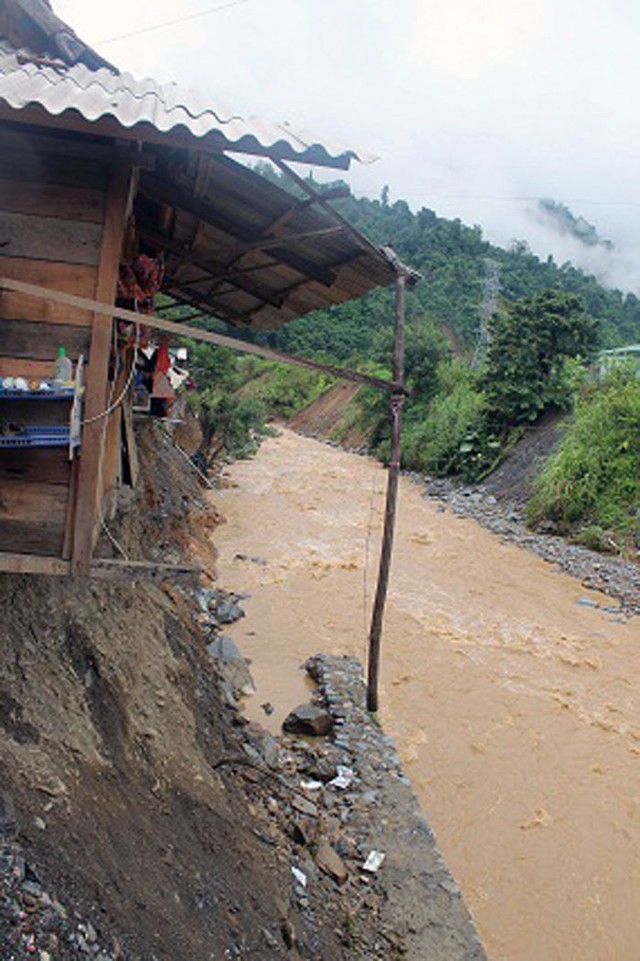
[{"x": 95, "y": 168}]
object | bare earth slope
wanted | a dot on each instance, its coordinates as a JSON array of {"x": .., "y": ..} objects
[{"x": 142, "y": 817}]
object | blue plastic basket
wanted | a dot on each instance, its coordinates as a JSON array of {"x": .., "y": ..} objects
[{"x": 37, "y": 437}]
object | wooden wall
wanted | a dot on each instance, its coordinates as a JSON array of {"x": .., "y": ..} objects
[{"x": 53, "y": 192}]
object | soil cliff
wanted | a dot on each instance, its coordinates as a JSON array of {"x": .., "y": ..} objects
[{"x": 141, "y": 816}]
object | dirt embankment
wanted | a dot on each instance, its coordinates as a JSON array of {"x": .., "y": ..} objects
[
  {"x": 328, "y": 417},
  {"x": 141, "y": 817},
  {"x": 115, "y": 812}
]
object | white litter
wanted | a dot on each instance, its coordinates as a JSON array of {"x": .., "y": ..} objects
[
  {"x": 300, "y": 877},
  {"x": 373, "y": 862},
  {"x": 343, "y": 778},
  {"x": 311, "y": 785}
]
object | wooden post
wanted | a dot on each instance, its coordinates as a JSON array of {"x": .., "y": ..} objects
[
  {"x": 397, "y": 399},
  {"x": 118, "y": 203}
]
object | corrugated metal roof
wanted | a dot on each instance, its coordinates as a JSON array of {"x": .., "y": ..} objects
[
  {"x": 243, "y": 249},
  {"x": 95, "y": 94}
]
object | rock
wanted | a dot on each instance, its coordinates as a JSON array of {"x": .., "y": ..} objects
[
  {"x": 587, "y": 602},
  {"x": 228, "y": 611},
  {"x": 233, "y": 667},
  {"x": 270, "y": 940},
  {"x": 269, "y": 750},
  {"x": 308, "y": 719},
  {"x": 330, "y": 862},
  {"x": 303, "y": 806},
  {"x": 304, "y": 830}
]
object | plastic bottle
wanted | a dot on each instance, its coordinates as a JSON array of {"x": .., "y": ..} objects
[{"x": 63, "y": 371}]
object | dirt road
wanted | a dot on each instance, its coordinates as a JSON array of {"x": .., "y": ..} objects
[{"x": 511, "y": 691}]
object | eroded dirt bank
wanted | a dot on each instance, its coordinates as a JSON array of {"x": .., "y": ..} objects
[
  {"x": 511, "y": 690},
  {"x": 143, "y": 818}
]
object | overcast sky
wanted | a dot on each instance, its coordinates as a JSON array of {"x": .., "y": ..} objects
[{"x": 475, "y": 107}]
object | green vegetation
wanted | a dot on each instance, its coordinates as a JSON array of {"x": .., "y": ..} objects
[
  {"x": 235, "y": 395},
  {"x": 452, "y": 258},
  {"x": 448, "y": 436},
  {"x": 590, "y": 488},
  {"x": 283, "y": 390},
  {"x": 494, "y": 339},
  {"x": 228, "y": 422},
  {"x": 531, "y": 343}
]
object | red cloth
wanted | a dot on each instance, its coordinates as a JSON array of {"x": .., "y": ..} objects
[
  {"x": 163, "y": 360},
  {"x": 139, "y": 281}
]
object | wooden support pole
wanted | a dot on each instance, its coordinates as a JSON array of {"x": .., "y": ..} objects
[
  {"x": 397, "y": 399},
  {"x": 118, "y": 202}
]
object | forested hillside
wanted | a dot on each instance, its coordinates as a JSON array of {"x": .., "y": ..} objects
[
  {"x": 464, "y": 278},
  {"x": 494, "y": 339}
]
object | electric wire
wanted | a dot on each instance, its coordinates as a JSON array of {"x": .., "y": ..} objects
[
  {"x": 111, "y": 406},
  {"x": 172, "y": 23},
  {"x": 116, "y": 403}
]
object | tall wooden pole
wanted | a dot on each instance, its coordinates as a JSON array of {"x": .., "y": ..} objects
[{"x": 397, "y": 400}]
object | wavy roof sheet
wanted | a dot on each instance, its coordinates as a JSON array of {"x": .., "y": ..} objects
[{"x": 26, "y": 79}]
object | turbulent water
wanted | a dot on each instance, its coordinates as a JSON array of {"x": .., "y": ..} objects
[{"x": 513, "y": 698}]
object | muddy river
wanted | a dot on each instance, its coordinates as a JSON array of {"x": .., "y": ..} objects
[{"x": 513, "y": 694}]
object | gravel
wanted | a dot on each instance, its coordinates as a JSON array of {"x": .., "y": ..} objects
[{"x": 614, "y": 576}]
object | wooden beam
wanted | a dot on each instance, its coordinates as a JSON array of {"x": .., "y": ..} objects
[
  {"x": 234, "y": 250},
  {"x": 119, "y": 202},
  {"x": 102, "y": 568},
  {"x": 165, "y": 191},
  {"x": 169, "y": 286},
  {"x": 126, "y": 570},
  {"x": 386, "y": 549},
  {"x": 215, "y": 272},
  {"x": 183, "y": 330},
  {"x": 32, "y": 564}
]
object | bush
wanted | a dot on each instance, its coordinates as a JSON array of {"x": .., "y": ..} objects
[
  {"x": 437, "y": 439},
  {"x": 591, "y": 486},
  {"x": 283, "y": 390}
]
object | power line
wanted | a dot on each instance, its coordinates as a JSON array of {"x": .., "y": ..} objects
[
  {"x": 171, "y": 23},
  {"x": 433, "y": 195}
]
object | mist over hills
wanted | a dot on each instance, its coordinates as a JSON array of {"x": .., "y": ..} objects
[{"x": 464, "y": 276}]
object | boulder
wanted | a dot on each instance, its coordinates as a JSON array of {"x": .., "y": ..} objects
[{"x": 308, "y": 719}]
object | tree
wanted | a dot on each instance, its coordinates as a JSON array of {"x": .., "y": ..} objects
[{"x": 531, "y": 341}]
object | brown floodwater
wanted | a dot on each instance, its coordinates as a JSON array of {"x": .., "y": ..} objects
[{"x": 514, "y": 704}]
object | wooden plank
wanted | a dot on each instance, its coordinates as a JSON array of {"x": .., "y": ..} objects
[
  {"x": 20, "y": 307},
  {"x": 32, "y": 537},
  {"x": 77, "y": 278},
  {"x": 50, "y": 238},
  {"x": 111, "y": 454},
  {"x": 21, "y": 367},
  {"x": 32, "y": 517},
  {"x": 120, "y": 202},
  {"x": 28, "y": 165},
  {"x": 73, "y": 278},
  {"x": 116, "y": 569},
  {"x": 58, "y": 144},
  {"x": 69, "y": 203},
  {"x": 39, "y": 503},
  {"x": 103, "y": 568},
  {"x": 33, "y": 466},
  {"x": 70, "y": 520},
  {"x": 30, "y": 564},
  {"x": 38, "y": 341}
]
